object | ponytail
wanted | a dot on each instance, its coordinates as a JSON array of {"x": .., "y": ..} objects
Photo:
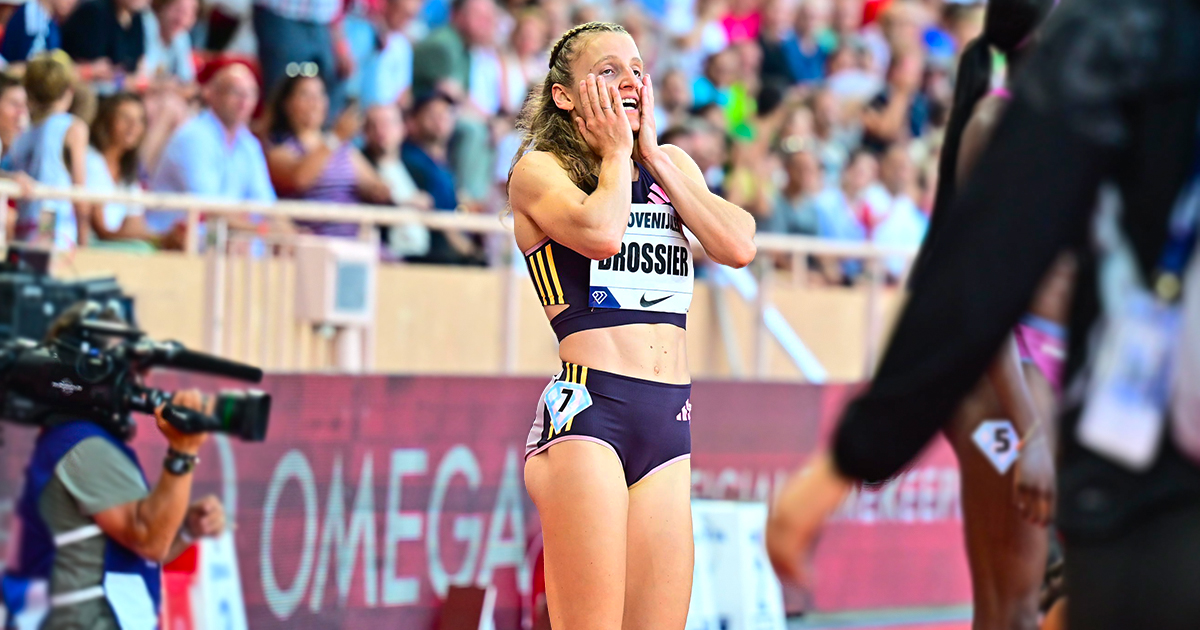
[{"x": 973, "y": 81}]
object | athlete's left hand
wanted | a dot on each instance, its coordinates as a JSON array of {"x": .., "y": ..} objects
[
  {"x": 645, "y": 144},
  {"x": 806, "y": 500}
]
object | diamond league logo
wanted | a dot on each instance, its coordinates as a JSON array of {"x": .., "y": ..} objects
[
  {"x": 599, "y": 296},
  {"x": 66, "y": 387}
]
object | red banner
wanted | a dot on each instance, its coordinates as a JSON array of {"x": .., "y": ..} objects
[{"x": 373, "y": 494}]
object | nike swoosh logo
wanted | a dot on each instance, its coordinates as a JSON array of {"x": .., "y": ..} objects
[{"x": 648, "y": 303}]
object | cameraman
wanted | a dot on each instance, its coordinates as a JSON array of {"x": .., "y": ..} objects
[{"x": 90, "y": 534}]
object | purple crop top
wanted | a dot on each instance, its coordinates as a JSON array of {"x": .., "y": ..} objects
[{"x": 561, "y": 275}]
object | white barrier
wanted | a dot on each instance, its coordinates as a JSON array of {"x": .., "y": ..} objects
[
  {"x": 733, "y": 586},
  {"x": 218, "y": 211}
]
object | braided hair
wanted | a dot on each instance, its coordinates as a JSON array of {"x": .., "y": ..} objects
[{"x": 545, "y": 127}]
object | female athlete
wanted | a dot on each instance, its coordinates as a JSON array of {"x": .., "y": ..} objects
[
  {"x": 1004, "y": 513},
  {"x": 599, "y": 209}
]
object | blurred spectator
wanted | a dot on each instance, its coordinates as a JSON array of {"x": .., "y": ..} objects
[
  {"x": 850, "y": 77},
  {"x": 168, "y": 40},
  {"x": 111, "y": 32},
  {"x": 112, "y": 166},
  {"x": 7, "y": 9},
  {"x": 846, "y": 21},
  {"x": 391, "y": 80},
  {"x": 795, "y": 209},
  {"x": 35, "y": 28},
  {"x": 425, "y": 154},
  {"x": 214, "y": 154},
  {"x": 901, "y": 26},
  {"x": 791, "y": 50},
  {"x": 715, "y": 86},
  {"x": 292, "y": 34},
  {"x": 896, "y": 220},
  {"x": 443, "y": 60},
  {"x": 964, "y": 21},
  {"x": 460, "y": 60},
  {"x": 901, "y": 110},
  {"x": 14, "y": 114},
  {"x": 695, "y": 33},
  {"x": 527, "y": 61},
  {"x": 748, "y": 184},
  {"x": 53, "y": 151},
  {"x": 743, "y": 21},
  {"x": 833, "y": 139},
  {"x": 673, "y": 99},
  {"x": 306, "y": 163},
  {"x": 383, "y": 132},
  {"x": 843, "y": 212}
]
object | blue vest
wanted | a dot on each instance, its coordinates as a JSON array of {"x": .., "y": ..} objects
[{"x": 35, "y": 560}]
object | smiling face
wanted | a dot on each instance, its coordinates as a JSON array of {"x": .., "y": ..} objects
[
  {"x": 127, "y": 126},
  {"x": 615, "y": 60}
]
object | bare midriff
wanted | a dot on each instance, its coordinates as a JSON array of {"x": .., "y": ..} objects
[{"x": 653, "y": 352}]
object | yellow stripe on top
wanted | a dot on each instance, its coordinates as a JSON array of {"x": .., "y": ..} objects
[
  {"x": 551, "y": 297},
  {"x": 554, "y": 275},
  {"x": 575, "y": 373},
  {"x": 533, "y": 273}
]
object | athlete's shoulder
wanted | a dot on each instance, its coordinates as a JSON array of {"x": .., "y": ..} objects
[
  {"x": 535, "y": 168},
  {"x": 676, "y": 154},
  {"x": 536, "y": 162},
  {"x": 681, "y": 159}
]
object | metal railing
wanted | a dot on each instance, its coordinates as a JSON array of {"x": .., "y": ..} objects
[{"x": 227, "y": 253}]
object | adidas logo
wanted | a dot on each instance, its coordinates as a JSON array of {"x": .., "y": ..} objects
[{"x": 685, "y": 414}]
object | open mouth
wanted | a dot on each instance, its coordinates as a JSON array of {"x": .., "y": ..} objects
[{"x": 630, "y": 104}]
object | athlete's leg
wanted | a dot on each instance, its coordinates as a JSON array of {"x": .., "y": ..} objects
[
  {"x": 658, "y": 583},
  {"x": 579, "y": 489},
  {"x": 1007, "y": 555}
]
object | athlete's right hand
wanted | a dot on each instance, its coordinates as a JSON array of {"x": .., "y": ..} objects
[
  {"x": 1035, "y": 481},
  {"x": 602, "y": 120}
]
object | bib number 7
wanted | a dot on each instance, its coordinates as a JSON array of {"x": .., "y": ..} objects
[{"x": 564, "y": 401}]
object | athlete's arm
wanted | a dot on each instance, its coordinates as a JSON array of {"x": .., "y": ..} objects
[
  {"x": 725, "y": 230},
  {"x": 1030, "y": 196},
  {"x": 539, "y": 188}
]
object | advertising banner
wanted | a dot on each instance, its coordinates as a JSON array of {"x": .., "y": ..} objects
[{"x": 373, "y": 495}]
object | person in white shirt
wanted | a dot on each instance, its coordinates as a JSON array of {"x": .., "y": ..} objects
[
  {"x": 112, "y": 166},
  {"x": 393, "y": 72},
  {"x": 898, "y": 222},
  {"x": 168, "y": 42},
  {"x": 383, "y": 132}
]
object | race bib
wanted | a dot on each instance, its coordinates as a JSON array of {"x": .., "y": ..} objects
[
  {"x": 999, "y": 441},
  {"x": 564, "y": 401},
  {"x": 653, "y": 271}
]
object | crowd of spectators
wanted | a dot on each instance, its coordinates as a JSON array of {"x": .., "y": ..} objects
[{"x": 820, "y": 117}]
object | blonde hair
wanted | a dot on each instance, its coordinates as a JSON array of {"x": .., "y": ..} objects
[
  {"x": 545, "y": 127},
  {"x": 48, "y": 77}
]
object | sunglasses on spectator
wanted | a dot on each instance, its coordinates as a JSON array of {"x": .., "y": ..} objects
[{"x": 307, "y": 69}]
